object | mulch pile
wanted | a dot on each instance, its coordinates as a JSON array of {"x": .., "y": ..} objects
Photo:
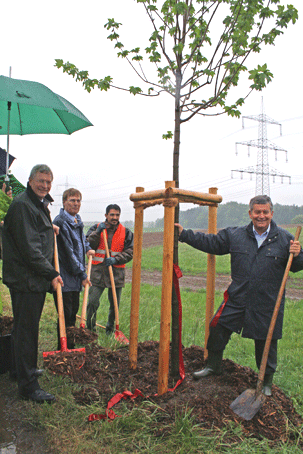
[{"x": 101, "y": 370}]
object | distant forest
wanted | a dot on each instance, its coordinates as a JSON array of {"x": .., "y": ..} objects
[{"x": 229, "y": 214}]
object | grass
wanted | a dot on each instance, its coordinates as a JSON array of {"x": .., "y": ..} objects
[
  {"x": 191, "y": 260},
  {"x": 146, "y": 428}
]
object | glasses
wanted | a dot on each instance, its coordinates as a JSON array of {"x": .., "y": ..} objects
[{"x": 74, "y": 200}]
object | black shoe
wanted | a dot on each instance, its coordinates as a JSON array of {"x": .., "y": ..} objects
[
  {"x": 267, "y": 384},
  {"x": 39, "y": 396},
  {"x": 204, "y": 373},
  {"x": 213, "y": 367}
]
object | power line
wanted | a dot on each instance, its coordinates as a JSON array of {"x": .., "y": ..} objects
[{"x": 262, "y": 170}]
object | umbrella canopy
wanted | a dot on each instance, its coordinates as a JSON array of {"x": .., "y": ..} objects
[
  {"x": 35, "y": 109},
  {"x": 15, "y": 184}
]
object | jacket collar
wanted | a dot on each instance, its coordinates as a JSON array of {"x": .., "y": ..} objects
[
  {"x": 70, "y": 219},
  {"x": 35, "y": 199},
  {"x": 273, "y": 229}
]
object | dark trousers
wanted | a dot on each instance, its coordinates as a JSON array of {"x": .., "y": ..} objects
[
  {"x": 94, "y": 303},
  {"x": 70, "y": 308},
  {"x": 219, "y": 337},
  {"x": 27, "y": 309}
]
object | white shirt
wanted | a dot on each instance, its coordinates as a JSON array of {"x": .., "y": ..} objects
[{"x": 262, "y": 237}]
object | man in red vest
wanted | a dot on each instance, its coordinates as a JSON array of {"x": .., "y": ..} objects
[{"x": 120, "y": 244}]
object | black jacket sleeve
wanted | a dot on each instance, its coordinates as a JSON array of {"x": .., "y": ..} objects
[{"x": 212, "y": 244}]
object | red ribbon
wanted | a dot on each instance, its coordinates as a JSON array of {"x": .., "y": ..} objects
[
  {"x": 109, "y": 413},
  {"x": 218, "y": 314}
]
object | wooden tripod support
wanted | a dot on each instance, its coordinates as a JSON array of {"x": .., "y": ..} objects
[{"x": 169, "y": 198}]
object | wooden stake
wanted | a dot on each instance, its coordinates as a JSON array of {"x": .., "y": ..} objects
[
  {"x": 136, "y": 284},
  {"x": 167, "y": 280},
  {"x": 211, "y": 273}
]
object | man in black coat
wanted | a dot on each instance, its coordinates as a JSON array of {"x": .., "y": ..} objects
[
  {"x": 259, "y": 254},
  {"x": 28, "y": 272}
]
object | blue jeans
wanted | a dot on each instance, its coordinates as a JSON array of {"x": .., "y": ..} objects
[{"x": 94, "y": 296}]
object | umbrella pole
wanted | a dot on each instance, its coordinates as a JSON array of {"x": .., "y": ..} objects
[{"x": 9, "y": 105}]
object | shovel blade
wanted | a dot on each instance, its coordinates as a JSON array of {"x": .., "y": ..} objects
[
  {"x": 248, "y": 404},
  {"x": 76, "y": 350},
  {"x": 119, "y": 336}
]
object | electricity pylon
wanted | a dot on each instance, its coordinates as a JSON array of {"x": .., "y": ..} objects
[{"x": 262, "y": 171}]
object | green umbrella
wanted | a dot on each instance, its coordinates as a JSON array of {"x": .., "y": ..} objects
[
  {"x": 31, "y": 108},
  {"x": 15, "y": 184}
]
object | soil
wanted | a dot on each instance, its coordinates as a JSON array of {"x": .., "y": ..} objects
[{"x": 99, "y": 370}]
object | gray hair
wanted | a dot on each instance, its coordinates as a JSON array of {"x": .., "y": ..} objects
[
  {"x": 260, "y": 200},
  {"x": 42, "y": 168}
]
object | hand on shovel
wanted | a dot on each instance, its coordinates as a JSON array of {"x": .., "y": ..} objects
[
  {"x": 110, "y": 261},
  {"x": 57, "y": 281}
]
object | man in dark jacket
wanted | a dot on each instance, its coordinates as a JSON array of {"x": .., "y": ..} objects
[
  {"x": 28, "y": 272},
  {"x": 120, "y": 243},
  {"x": 72, "y": 247},
  {"x": 259, "y": 254}
]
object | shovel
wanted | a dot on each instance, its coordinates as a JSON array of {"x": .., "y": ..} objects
[
  {"x": 86, "y": 288},
  {"x": 119, "y": 336},
  {"x": 250, "y": 401},
  {"x": 62, "y": 330}
]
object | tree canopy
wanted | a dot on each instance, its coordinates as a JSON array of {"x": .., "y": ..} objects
[{"x": 194, "y": 45}]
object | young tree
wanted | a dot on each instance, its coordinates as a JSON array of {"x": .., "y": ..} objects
[{"x": 199, "y": 50}]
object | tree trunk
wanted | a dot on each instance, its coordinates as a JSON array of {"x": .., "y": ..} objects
[{"x": 175, "y": 305}]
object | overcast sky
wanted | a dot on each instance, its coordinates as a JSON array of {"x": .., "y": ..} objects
[{"x": 124, "y": 148}]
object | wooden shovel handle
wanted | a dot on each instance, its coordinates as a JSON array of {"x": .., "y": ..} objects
[
  {"x": 112, "y": 280},
  {"x": 62, "y": 329},
  {"x": 85, "y": 295},
  {"x": 274, "y": 318}
]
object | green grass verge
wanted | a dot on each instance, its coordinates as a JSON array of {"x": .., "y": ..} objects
[{"x": 137, "y": 431}]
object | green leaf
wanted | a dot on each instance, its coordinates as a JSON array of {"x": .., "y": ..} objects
[
  {"x": 168, "y": 135},
  {"x": 59, "y": 63},
  {"x": 261, "y": 76},
  {"x": 135, "y": 90},
  {"x": 112, "y": 24}
]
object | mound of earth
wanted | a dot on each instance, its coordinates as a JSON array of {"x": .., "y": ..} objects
[{"x": 101, "y": 370}]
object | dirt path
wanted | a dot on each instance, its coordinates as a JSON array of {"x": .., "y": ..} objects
[{"x": 195, "y": 283}]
